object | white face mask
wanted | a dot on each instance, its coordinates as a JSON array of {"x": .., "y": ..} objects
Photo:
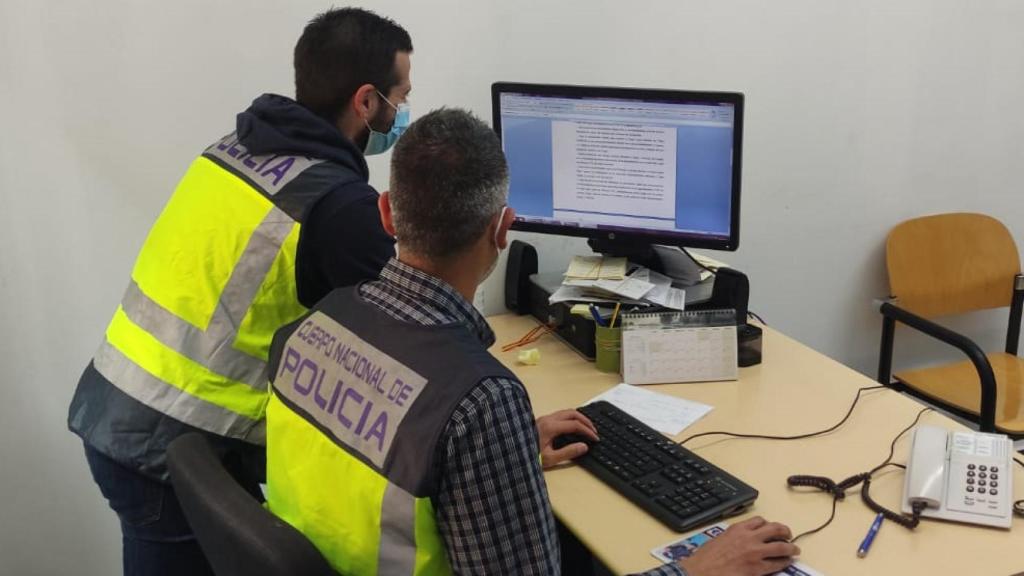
[{"x": 497, "y": 231}]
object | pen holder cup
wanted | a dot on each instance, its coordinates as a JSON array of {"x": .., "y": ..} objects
[{"x": 608, "y": 342}]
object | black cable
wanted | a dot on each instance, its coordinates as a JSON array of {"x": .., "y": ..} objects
[
  {"x": 838, "y": 490},
  {"x": 831, "y": 517},
  {"x": 892, "y": 447},
  {"x": 756, "y": 316},
  {"x": 1018, "y": 506},
  {"x": 910, "y": 522},
  {"x": 794, "y": 437}
]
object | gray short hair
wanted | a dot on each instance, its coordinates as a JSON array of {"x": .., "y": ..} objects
[{"x": 449, "y": 178}]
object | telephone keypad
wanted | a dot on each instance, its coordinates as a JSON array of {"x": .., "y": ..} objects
[{"x": 979, "y": 488}]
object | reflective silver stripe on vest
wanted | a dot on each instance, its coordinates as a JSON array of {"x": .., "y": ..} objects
[
  {"x": 212, "y": 348},
  {"x": 133, "y": 380},
  {"x": 397, "y": 554}
]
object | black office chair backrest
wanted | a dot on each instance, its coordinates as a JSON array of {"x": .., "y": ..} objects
[{"x": 238, "y": 536}]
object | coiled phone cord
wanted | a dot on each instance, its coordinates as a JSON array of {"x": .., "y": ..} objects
[{"x": 838, "y": 490}]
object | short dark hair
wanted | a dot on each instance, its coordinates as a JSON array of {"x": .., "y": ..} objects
[
  {"x": 449, "y": 178},
  {"x": 339, "y": 51}
]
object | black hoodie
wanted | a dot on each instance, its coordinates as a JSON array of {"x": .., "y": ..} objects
[{"x": 341, "y": 241}]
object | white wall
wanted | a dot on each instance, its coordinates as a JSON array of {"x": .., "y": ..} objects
[{"x": 860, "y": 114}]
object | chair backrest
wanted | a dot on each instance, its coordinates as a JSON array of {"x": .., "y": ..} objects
[
  {"x": 951, "y": 263},
  {"x": 238, "y": 536}
]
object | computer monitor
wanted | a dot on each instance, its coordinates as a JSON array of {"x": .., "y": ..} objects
[{"x": 624, "y": 167}]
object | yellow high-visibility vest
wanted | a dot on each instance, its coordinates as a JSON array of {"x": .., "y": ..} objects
[
  {"x": 213, "y": 281},
  {"x": 359, "y": 404}
]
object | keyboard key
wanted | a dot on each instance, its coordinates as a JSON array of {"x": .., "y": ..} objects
[{"x": 705, "y": 504}]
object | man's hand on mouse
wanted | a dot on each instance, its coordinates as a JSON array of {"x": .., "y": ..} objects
[
  {"x": 559, "y": 424},
  {"x": 753, "y": 547}
]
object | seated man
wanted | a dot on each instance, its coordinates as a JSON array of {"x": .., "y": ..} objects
[{"x": 395, "y": 442}]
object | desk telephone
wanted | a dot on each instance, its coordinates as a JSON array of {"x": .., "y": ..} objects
[{"x": 960, "y": 476}]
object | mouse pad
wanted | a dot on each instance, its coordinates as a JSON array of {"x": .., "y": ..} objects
[{"x": 685, "y": 547}]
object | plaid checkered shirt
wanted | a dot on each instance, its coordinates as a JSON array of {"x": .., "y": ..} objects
[{"x": 492, "y": 507}]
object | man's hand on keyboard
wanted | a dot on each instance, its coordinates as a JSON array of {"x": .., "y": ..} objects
[
  {"x": 568, "y": 423},
  {"x": 753, "y": 547}
]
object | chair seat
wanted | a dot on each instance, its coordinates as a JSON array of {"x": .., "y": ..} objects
[{"x": 958, "y": 385}]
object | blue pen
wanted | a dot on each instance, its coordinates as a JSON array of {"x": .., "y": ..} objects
[
  {"x": 596, "y": 315},
  {"x": 870, "y": 537}
]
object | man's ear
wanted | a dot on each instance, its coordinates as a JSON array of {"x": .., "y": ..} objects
[
  {"x": 387, "y": 218},
  {"x": 504, "y": 223},
  {"x": 365, "y": 101}
]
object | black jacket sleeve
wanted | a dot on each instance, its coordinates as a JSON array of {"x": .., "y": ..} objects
[{"x": 342, "y": 243}]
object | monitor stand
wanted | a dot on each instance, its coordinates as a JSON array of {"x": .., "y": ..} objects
[
  {"x": 532, "y": 290},
  {"x": 578, "y": 331},
  {"x": 673, "y": 262},
  {"x": 640, "y": 253}
]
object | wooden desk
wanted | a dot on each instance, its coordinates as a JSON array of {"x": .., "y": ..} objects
[{"x": 794, "y": 390}]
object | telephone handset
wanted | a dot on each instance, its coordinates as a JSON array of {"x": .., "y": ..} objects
[{"x": 960, "y": 476}]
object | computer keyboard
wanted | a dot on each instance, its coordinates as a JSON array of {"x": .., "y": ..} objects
[{"x": 676, "y": 486}]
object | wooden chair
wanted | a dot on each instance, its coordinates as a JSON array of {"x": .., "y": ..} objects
[{"x": 951, "y": 264}]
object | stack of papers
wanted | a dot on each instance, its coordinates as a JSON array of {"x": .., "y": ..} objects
[
  {"x": 596, "y": 268},
  {"x": 599, "y": 279}
]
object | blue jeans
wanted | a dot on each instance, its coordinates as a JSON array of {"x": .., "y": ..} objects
[{"x": 156, "y": 538}]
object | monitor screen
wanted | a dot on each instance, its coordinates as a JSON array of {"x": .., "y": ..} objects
[{"x": 656, "y": 166}]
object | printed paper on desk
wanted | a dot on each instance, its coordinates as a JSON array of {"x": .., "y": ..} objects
[
  {"x": 577, "y": 294},
  {"x": 668, "y": 297},
  {"x": 596, "y": 267},
  {"x": 653, "y": 277},
  {"x": 662, "y": 412},
  {"x": 685, "y": 547},
  {"x": 632, "y": 288}
]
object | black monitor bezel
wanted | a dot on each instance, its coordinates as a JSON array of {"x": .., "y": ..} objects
[{"x": 681, "y": 96}]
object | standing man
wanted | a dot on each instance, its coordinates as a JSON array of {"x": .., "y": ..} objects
[
  {"x": 265, "y": 222},
  {"x": 395, "y": 442}
]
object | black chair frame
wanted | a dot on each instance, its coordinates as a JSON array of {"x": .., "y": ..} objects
[
  {"x": 891, "y": 314},
  {"x": 236, "y": 533}
]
